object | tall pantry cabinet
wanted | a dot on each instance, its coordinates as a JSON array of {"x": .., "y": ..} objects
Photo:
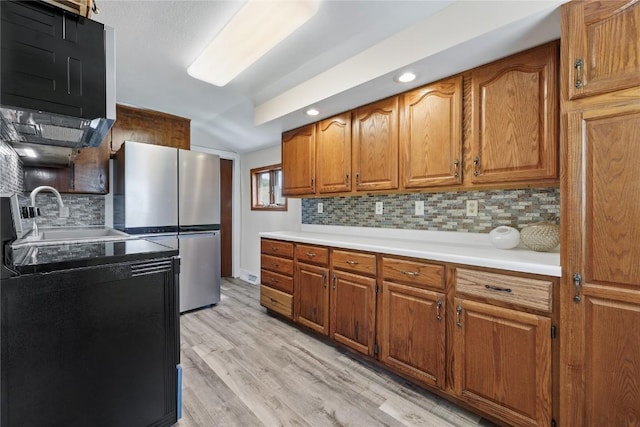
[{"x": 600, "y": 295}]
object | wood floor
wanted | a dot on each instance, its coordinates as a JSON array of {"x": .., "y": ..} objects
[{"x": 243, "y": 367}]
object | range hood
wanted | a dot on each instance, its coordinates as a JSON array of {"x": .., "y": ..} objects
[
  {"x": 46, "y": 127},
  {"x": 47, "y": 138}
]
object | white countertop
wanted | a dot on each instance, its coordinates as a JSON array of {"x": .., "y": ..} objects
[{"x": 455, "y": 247}]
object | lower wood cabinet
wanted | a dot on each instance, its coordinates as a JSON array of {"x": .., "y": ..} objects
[
  {"x": 353, "y": 302},
  {"x": 414, "y": 316},
  {"x": 503, "y": 362},
  {"x": 412, "y": 332}
]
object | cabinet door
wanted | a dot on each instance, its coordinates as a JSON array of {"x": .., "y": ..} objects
[
  {"x": 89, "y": 173},
  {"x": 375, "y": 145},
  {"x": 600, "y": 363},
  {"x": 52, "y": 60},
  {"x": 412, "y": 332},
  {"x": 311, "y": 297},
  {"x": 601, "y": 44},
  {"x": 353, "y": 311},
  {"x": 431, "y": 135},
  {"x": 334, "y": 154},
  {"x": 503, "y": 362},
  {"x": 299, "y": 161},
  {"x": 515, "y": 118}
]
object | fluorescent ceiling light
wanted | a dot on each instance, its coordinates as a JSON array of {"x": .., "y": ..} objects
[
  {"x": 253, "y": 31},
  {"x": 25, "y": 152}
]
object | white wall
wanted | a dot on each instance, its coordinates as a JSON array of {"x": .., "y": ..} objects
[{"x": 254, "y": 222}]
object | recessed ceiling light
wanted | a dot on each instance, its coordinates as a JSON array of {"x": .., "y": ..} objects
[
  {"x": 406, "y": 77},
  {"x": 253, "y": 31},
  {"x": 312, "y": 112},
  {"x": 25, "y": 152}
]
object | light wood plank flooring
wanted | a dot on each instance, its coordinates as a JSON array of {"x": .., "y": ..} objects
[{"x": 244, "y": 367}]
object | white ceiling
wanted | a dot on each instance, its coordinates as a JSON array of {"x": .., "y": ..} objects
[{"x": 345, "y": 56}]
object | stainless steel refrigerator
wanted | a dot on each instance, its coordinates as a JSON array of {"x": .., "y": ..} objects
[{"x": 173, "y": 196}]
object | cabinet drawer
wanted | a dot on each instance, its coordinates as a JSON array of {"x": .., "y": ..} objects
[
  {"x": 522, "y": 291},
  {"x": 279, "y": 265},
  {"x": 276, "y": 300},
  {"x": 278, "y": 281},
  {"x": 354, "y": 261},
  {"x": 277, "y": 248},
  {"x": 312, "y": 254},
  {"x": 415, "y": 273}
]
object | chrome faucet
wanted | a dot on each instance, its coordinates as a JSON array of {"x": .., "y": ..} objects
[{"x": 62, "y": 210}]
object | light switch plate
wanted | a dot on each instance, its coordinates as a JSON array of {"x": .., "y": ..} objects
[
  {"x": 320, "y": 207},
  {"x": 472, "y": 208},
  {"x": 379, "y": 208},
  {"x": 419, "y": 207}
]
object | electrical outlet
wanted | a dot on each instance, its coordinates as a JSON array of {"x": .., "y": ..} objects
[
  {"x": 419, "y": 207},
  {"x": 379, "y": 208},
  {"x": 320, "y": 207},
  {"x": 472, "y": 208}
]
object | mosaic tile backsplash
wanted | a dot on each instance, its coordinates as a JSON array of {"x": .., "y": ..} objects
[
  {"x": 11, "y": 179},
  {"x": 442, "y": 211},
  {"x": 84, "y": 209}
]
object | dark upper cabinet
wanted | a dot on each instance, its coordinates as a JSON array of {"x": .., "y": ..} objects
[{"x": 52, "y": 60}]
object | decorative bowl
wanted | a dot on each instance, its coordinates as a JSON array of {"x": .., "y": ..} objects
[
  {"x": 541, "y": 236},
  {"x": 504, "y": 237}
]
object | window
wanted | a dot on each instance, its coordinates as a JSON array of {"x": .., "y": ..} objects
[{"x": 266, "y": 189}]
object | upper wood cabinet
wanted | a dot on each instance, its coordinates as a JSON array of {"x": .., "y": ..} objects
[
  {"x": 601, "y": 46},
  {"x": 334, "y": 154},
  {"x": 515, "y": 118},
  {"x": 375, "y": 145},
  {"x": 431, "y": 135},
  {"x": 299, "y": 161},
  {"x": 151, "y": 127}
]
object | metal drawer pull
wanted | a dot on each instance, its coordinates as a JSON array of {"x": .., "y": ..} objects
[
  {"x": 458, "y": 312},
  {"x": 274, "y": 249},
  {"x": 274, "y": 280},
  {"x": 352, "y": 262},
  {"x": 310, "y": 254},
  {"x": 438, "y": 306},
  {"x": 324, "y": 280},
  {"x": 273, "y": 300},
  {"x": 456, "y": 164},
  {"x": 275, "y": 265},
  {"x": 578, "y": 66},
  {"x": 410, "y": 273},
  {"x": 476, "y": 166},
  {"x": 497, "y": 288}
]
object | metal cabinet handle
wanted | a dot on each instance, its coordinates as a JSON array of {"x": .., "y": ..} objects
[
  {"x": 310, "y": 254},
  {"x": 275, "y": 265},
  {"x": 274, "y": 300},
  {"x": 324, "y": 280},
  {"x": 274, "y": 248},
  {"x": 334, "y": 281},
  {"x": 579, "y": 67},
  {"x": 352, "y": 262},
  {"x": 456, "y": 164},
  {"x": 577, "y": 282},
  {"x": 438, "y": 306},
  {"x": 410, "y": 273},
  {"x": 346, "y": 180},
  {"x": 458, "y": 312},
  {"x": 476, "y": 166},
  {"x": 357, "y": 178},
  {"x": 313, "y": 184},
  {"x": 274, "y": 280},
  {"x": 497, "y": 288}
]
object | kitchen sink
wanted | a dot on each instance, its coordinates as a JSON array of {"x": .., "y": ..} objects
[
  {"x": 61, "y": 235},
  {"x": 81, "y": 234}
]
